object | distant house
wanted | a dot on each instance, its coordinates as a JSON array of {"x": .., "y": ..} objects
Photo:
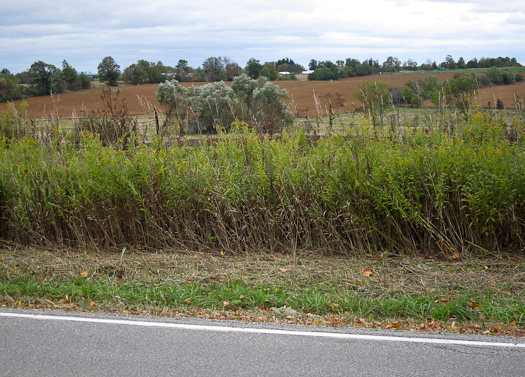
[{"x": 307, "y": 72}]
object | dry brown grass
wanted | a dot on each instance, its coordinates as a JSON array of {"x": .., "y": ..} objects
[
  {"x": 439, "y": 278},
  {"x": 498, "y": 278}
]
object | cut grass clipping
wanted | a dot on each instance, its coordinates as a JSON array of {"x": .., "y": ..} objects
[{"x": 469, "y": 296}]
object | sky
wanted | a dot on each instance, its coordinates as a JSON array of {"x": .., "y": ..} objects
[{"x": 84, "y": 32}]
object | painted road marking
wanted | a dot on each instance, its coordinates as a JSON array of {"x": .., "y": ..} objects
[{"x": 227, "y": 329}]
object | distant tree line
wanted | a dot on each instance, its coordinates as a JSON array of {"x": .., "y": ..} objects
[
  {"x": 327, "y": 70},
  {"x": 43, "y": 78}
]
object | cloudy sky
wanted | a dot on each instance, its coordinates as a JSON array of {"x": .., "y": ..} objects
[{"x": 84, "y": 32}]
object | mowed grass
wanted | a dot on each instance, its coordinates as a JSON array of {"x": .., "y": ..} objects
[{"x": 468, "y": 295}]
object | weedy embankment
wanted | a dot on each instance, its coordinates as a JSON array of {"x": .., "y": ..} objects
[
  {"x": 442, "y": 189},
  {"x": 447, "y": 190}
]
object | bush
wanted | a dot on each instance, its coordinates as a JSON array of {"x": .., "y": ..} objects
[{"x": 201, "y": 109}]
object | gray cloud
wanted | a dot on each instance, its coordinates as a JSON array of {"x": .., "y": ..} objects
[{"x": 84, "y": 32}]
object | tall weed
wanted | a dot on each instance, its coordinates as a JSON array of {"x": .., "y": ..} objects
[{"x": 419, "y": 190}]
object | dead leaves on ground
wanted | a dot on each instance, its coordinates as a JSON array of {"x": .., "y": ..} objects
[{"x": 266, "y": 315}]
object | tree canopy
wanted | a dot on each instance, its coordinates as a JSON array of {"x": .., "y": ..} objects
[{"x": 109, "y": 71}]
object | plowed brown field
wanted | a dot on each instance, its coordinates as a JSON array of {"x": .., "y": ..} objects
[{"x": 301, "y": 95}]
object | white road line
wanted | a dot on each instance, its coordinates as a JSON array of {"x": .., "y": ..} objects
[{"x": 249, "y": 330}]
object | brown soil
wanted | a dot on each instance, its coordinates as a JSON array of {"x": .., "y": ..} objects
[{"x": 301, "y": 95}]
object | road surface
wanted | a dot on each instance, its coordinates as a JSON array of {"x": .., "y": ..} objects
[{"x": 46, "y": 343}]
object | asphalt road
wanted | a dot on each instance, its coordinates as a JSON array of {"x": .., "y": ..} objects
[{"x": 45, "y": 343}]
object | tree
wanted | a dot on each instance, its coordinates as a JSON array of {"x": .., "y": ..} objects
[
  {"x": 46, "y": 78},
  {"x": 410, "y": 65},
  {"x": 199, "y": 75},
  {"x": 391, "y": 64},
  {"x": 461, "y": 63},
  {"x": 312, "y": 65},
  {"x": 472, "y": 63},
  {"x": 109, "y": 71},
  {"x": 269, "y": 71},
  {"x": 70, "y": 76},
  {"x": 183, "y": 72},
  {"x": 144, "y": 72},
  {"x": 253, "y": 68},
  {"x": 326, "y": 70},
  {"x": 135, "y": 75},
  {"x": 85, "y": 81},
  {"x": 449, "y": 63},
  {"x": 214, "y": 69},
  {"x": 232, "y": 69},
  {"x": 288, "y": 65}
]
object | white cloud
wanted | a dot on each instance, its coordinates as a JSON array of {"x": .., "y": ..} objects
[{"x": 84, "y": 32}]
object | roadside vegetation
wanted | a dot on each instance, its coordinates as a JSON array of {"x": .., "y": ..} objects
[
  {"x": 386, "y": 222},
  {"x": 473, "y": 294}
]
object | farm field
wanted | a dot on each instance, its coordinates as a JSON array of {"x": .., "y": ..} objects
[{"x": 301, "y": 95}]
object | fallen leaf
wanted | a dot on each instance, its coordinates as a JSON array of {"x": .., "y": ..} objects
[
  {"x": 473, "y": 304},
  {"x": 367, "y": 272},
  {"x": 188, "y": 300},
  {"x": 226, "y": 303},
  {"x": 84, "y": 273},
  {"x": 360, "y": 282},
  {"x": 393, "y": 325},
  {"x": 283, "y": 269}
]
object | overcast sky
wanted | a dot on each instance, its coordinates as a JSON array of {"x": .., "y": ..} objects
[{"x": 84, "y": 32}]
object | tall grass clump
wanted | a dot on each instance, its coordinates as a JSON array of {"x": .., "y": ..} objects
[{"x": 412, "y": 189}]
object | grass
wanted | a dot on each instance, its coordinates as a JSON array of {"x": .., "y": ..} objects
[{"x": 471, "y": 295}]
